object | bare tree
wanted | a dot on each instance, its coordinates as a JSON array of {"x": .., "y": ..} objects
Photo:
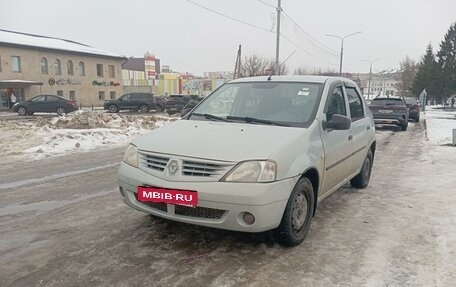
[
  {"x": 409, "y": 68},
  {"x": 255, "y": 65},
  {"x": 302, "y": 70}
]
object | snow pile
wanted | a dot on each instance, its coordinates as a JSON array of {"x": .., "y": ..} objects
[
  {"x": 79, "y": 131},
  {"x": 439, "y": 125}
]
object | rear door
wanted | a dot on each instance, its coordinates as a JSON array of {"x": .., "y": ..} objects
[
  {"x": 52, "y": 102},
  {"x": 360, "y": 126},
  {"x": 337, "y": 143},
  {"x": 37, "y": 104}
]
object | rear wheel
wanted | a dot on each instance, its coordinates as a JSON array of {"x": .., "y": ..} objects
[
  {"x": 404, "y": 126},
  {"x": 61, "y": 111},
  {"x": 144, "y": 108},
  {"x": 417, "y": 118},
  {"x": 361, "y": 180},
  {"x": 113, "y": 109},
  {"x": 22, "y": 111},
  {"x": 159, "y": 109},
  {"x": 297, "y": 216}
]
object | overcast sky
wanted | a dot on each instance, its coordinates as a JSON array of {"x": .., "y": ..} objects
[{"x": 191, "y": 39}]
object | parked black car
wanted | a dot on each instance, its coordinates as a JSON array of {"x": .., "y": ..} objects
[
  {"x": 390, "y": 110},
  {"x": 143, "y": 102},
  {"x": 45, "y": 104},
  {"x": 160, "y": 103},
  {"x": 176, "y": 103},
  {"x": 414, "y": 108}
]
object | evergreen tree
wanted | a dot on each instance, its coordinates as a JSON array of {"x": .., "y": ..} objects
[
  {"x": 447, "y": 63},
  {"x": 427, "y": 76}
]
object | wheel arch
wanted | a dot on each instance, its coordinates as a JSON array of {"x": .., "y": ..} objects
[{"x": 314, "y": 177}]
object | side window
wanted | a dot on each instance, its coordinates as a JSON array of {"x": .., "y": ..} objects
[
  {"x": 126, "y": 97},
  {"x": 51, "y": 99},
  {"x": 355, "y": 103},
  {"x": 39, "y": 99},
  {"x": 336, "y": 103}
]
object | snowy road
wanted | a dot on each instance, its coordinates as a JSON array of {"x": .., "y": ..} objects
[{"x": 63, "y": 223}]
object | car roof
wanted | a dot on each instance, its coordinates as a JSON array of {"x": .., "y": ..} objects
[{"x": 294, "y": 78}]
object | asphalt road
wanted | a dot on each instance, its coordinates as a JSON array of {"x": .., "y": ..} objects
[{"x": 62, "y": 223}]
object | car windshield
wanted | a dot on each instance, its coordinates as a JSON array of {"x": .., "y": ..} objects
[
  {"x": 387, "y": 102},
  {"x": 274, "y": 103}
]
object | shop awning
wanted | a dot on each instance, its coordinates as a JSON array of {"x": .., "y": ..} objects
[{"x": 18, "y": 83}]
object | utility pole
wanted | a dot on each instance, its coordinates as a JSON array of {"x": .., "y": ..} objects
[
  {"x": 237, "y": 66},
  {"x": 370, "y": 76},
  {"x": 277, "y": 63}
]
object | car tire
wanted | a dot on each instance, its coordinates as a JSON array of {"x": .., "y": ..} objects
[
  {"x": 160, "y": 109},
  {"x": 22, "y": 111},
  {"x": 404, "y": 126},
  {"x": 61, "y": 111},
  {"x": 361, "y": 180},
  {"x": 417, "y": 119},
  {"x": 144, "y": 108},
  {"x": 297, "y": 216},
  {"x": 113, "y": 109}
]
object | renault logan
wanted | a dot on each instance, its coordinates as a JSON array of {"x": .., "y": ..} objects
[{"x": 257, "y": 154}]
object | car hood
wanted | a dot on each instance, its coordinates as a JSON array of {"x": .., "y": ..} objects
[{"x": 232, "y": 142}]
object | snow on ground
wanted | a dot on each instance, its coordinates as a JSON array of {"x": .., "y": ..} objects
[
  {"x": 439, "y": 124},
  {"x": 76, "y": 132}
]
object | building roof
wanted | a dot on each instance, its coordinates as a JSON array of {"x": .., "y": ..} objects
[
  {"x": 12, "y": 38},
  {"x": 134, "y": 64}
]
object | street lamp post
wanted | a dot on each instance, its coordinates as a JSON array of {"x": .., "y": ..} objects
[
  {"x": 342, "y": 46},
  {"x": 370, "y": 75}
]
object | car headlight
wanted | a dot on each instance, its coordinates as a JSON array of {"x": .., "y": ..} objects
[
  {"x": 131, "y": 156},
  {"x": 252, "y": 171}
]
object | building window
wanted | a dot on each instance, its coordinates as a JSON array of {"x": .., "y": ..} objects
[
  {"x": 60, "y": 93},
  {"x": 70, "y": 68},
  {"x": 44, "y": 66},
  {"x": 112, "y": 71},
  {"x": 72, "y": 95},
  {"x": 101, "y": 95},
  {"x": 16, "y": 64},
  {"x": 112, "y": 95},
  {"x": 100, "y": 70},
  {"x": 82, "y": 69},
  {"x": 57, "y": 67}
]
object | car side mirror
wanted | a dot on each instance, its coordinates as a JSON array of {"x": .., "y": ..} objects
[
  {"x": 337, "y": 122},
  {"x": 120, "y": 99},
  {"x": 185, "y": 112}
]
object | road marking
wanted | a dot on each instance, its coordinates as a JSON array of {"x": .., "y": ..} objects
[{"x": 18, "y": 183}]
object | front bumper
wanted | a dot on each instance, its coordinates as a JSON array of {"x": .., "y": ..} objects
[{"x": 266, "y": 201}]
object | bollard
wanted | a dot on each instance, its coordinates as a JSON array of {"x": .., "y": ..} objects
[{"x": 92, "y": 107}]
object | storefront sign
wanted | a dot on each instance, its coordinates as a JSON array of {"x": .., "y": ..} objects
[
  {"x": 104, "y": 83},
  {"x": 62, "y": 82}
]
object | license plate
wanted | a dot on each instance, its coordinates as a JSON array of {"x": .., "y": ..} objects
[
  {"x": 165, "y": 195},
  {"x": 385, "y": 111}
]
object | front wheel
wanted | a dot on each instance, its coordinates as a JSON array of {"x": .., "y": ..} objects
[
  {"x": 22, "y": 111},
  {"x": 297, "y": 216},
  {"x": 160, "y": 109},
  {"x": 404, "y": 126},
  {"x": 113, "y": 109},
  {"x": 61, "y": 111},
  {"x": 361, "y": 180}
]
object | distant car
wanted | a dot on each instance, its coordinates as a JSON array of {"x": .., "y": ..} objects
[
  {"x": 45, "y": 104},
  {"x": 143, "y": 102},
  {"x": 390, "y": 110},
  {"x": 176, "y": 103},
  {"x": 194, "y": 101},
  {"x": 414, "y": 108}
]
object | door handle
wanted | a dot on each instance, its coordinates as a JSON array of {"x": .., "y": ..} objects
[
  {"x": 368, "y": 127},
  {"x": 350, "y": 137}
]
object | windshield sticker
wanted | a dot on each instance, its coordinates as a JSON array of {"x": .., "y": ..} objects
[{"x": 304, "y": 92}]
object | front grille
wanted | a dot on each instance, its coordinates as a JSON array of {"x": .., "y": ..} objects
[
  {"x": 154, "y": 162},
  {"x": 156, "y": 205},
  {"x": 194, "y": 168},
  {"x": 201, "y": 212}
]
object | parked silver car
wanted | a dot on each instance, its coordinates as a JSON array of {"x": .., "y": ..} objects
[{"x": 257, "y": 154}]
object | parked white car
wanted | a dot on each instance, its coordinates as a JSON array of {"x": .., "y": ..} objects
[{"x": 257, "y": 154}]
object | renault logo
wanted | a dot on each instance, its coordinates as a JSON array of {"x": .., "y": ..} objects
[{"x": 173, "y": 167}]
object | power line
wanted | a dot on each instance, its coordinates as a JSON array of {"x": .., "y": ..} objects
[
  {"x": 229, "y": 17},
  {"x": 267, "y": 4},
  {"x": 308, "y": 34}
]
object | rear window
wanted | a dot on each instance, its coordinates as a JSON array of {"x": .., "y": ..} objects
[
  {"x": 387, "y": 102},
  {"x": 411, "y": 101}
]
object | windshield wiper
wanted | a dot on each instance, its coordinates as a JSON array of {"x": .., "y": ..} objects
[
  {"x": 255, "y": 120},
  {"x": 210, "y": 117}
]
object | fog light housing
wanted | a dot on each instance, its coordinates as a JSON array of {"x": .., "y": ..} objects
[
  {"x": 248, "y": 218},
  {"x": 121, "y": 191}
]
